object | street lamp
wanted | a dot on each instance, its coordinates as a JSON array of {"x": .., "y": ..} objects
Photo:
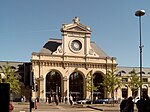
[{"x": 140, "y": 13}]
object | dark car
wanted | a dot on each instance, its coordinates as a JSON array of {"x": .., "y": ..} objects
[{"x": 101, "y": 101}]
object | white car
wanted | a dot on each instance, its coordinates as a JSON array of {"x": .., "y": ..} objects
[
  {"x": 85, "y": 101},
  {"x": 136, "y": 99}
]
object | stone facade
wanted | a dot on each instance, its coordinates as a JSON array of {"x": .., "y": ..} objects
[
  {"x": 125, "y": 76},
  {"x": 63, "y": 66},
  {"x": 74, "y": 53}
]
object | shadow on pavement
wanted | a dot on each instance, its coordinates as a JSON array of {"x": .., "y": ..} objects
[{"x": 94, "y": 108}]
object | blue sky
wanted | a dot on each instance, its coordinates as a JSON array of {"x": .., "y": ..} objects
[{"x": 25, "y": 25}]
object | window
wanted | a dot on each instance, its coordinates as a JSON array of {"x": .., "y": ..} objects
[
  {"x": 145, "y": 80},
  {"x": 124, "y": 80},
  {"x": 124, "y": 92}
]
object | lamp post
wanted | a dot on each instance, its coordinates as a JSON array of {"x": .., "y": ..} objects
[{"x": 140, "y": 13}]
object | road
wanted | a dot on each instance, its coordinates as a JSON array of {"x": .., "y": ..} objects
[{"x": 44, "y": 107}]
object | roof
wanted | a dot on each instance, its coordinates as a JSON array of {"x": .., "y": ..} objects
[
  {"x": 98, "y": 50},
  {"x": 52, "y": 45},
  {"x": 129, "y": 69},
  {"x": 11, "y": 63}
]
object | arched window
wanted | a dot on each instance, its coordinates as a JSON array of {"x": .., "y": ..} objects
[
  {"x": 53, "y": 84},
  {"x": 76, "y": 86},
  {"x": 98, "y": 78}
]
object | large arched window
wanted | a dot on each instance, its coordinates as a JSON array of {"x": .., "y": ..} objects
[
  {"x": 53, "y": 84},
  {"x": 98, "y": 79},
  {"x": 76, "y": 86}
]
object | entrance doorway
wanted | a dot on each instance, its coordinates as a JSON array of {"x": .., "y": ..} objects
[
  {"x": 76, "y": 86},
  {"x": 53, "y": 85}
]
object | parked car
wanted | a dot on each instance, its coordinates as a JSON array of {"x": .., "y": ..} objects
[
  {"x": 136, "y": 99},
  {"x": 111, "y": 101},
  {"x": 100, "y": 101},
  {"x": 105, "y": 101},
  {"x": 84, "y": 101}
]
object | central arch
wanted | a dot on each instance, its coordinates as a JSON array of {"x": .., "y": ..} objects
[
  {"x": 76, "y": 86},
  {"x": 53, "y": 84}
]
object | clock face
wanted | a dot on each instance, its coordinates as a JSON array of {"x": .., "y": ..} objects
[{"x": 76, "y": 45}]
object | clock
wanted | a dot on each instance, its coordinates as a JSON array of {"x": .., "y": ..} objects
[{"x": 76, "y": 45}]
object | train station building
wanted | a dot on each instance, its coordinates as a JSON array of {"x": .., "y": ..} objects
[{"x": 63, "y": 66}]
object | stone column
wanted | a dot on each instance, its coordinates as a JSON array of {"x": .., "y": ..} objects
[
  {"x": 65, "y": 87},
  {"x": 41, "y": 88},
  {"x": 68, "y": 89}
]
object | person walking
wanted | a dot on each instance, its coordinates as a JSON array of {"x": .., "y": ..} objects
[
  {"x": 71, "y": 100},
  {"x": 11, "y": 107},
  {"x": 143, "y": 102},
  {"x": 66, "y": 100},
  {"x": 56, "y": 99},
  {"x": 123, "y": 104},
  {"x": 129, "y": 107}
]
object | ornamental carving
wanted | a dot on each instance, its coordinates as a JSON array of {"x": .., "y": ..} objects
[
  {"x": 91, "y": 52},
  {"x": 60, "y": 49}
]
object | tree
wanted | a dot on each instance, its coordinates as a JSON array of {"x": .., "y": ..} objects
[
  {"x": 9, "y": 76},
  {"x": 111, "y": 82},
  {"x": 134, "y": 83},
  {"x": 90, "y": 85}
]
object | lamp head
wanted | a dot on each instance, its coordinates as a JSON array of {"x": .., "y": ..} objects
[{"x": 140, "y": 13}]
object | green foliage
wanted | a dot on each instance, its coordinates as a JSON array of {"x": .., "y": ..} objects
[
  {"x": 11, "y": 78},
  {"x": 89, "y": 81},
  {"x": 134, "y": 83},
  {"x": 111, "y": 82}
]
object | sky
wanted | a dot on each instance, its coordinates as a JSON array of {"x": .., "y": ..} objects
[{"x": 26, "y": 25}]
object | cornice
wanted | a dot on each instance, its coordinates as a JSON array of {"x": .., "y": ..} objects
[{"x": 64, "y": 64}]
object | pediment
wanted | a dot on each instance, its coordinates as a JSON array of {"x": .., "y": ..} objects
[
  {"x": 76, "y": 26},
  {"x": 76, "y": 29}
]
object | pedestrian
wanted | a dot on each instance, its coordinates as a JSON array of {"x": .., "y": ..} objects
[
  {"x": 49, "y": 99},
  {"x": 37, "y": 98},
  {"x": 36, "y": 103},
  {"x": 143, "y": 102},
  {"x": 140, "y": 104},
  {"x": 62, "y": 99},
  {"x": 46, "y": 99},
  {"x": 56, "y": 99},
  {"x": 147, "y": 103},
  {"x": 123, "y": 104},
  {"x": 65, "y": 100},
  {"x": 11, "y": 107},
  {"x": 96, "y": 98},
  {"x": 129, "y": 105},
  {"x": 71, "y": 100},
  {"x": 22, "y": 98}
]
